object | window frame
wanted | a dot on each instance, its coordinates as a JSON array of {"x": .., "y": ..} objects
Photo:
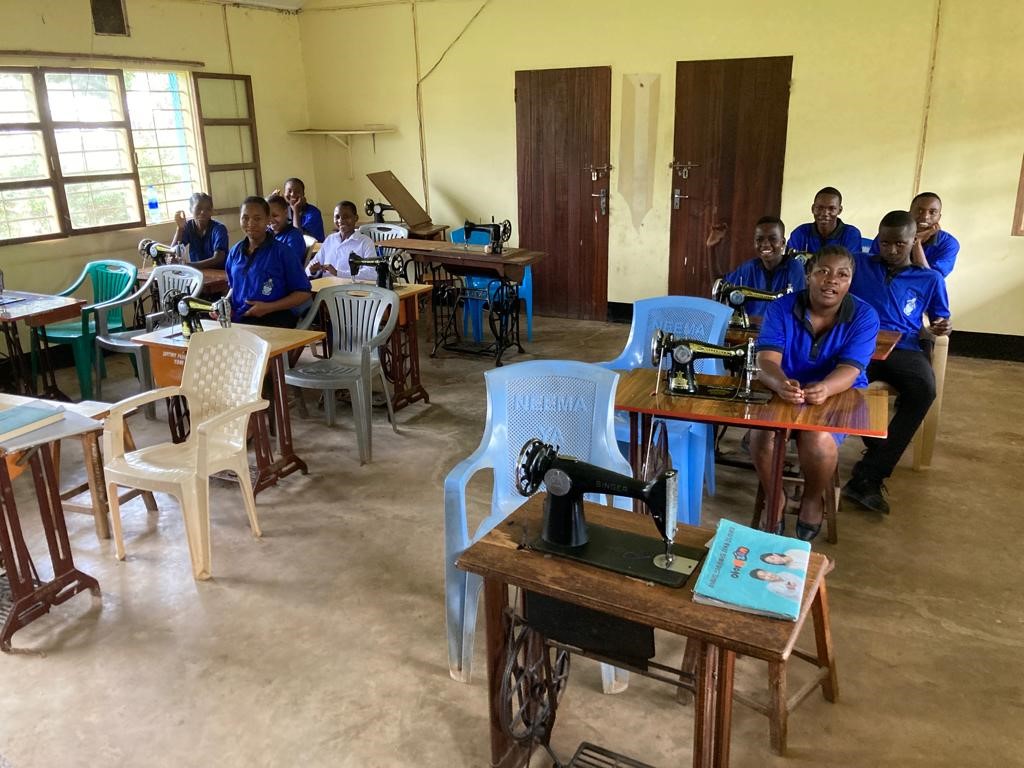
[{"x": 205, "y": 122}]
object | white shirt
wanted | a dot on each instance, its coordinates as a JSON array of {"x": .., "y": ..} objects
[{"x": 335, "y": 252}]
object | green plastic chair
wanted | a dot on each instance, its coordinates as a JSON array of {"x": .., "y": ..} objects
[{"x": 110, "y": 280}]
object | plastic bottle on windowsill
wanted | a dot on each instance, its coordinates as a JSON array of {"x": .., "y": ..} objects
[{"x": 152, "y": 206}]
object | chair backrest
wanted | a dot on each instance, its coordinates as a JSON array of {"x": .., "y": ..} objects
[
  {"x": 380, "y": 232},
  {"x": 688, "y": 316},
  {"x": 359, "y": 316},
  {"x": 224, "y": 368},
  {"x": 475, "y": 238},
  {"x": 562, "y": 402},
  {"x": 110, "y": 279},
  {"x": 176, "y": 278}
]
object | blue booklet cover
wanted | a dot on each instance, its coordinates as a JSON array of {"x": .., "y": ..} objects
[{"x": 754, "y": 572}]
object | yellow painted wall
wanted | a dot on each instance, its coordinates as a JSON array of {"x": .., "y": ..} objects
[{"x": 263, "y": 44}]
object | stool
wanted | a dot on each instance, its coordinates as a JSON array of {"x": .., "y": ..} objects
[
  {"x": 792, "y": 506},
  {"x": 778, "y": 706}
]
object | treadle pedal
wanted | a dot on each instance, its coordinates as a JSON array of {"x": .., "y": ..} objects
[{"x": 592, "y": 756}]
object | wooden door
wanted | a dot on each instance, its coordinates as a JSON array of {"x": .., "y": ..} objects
[
  {"x": 563, "y": 121},
  {"x": 729, "y": 150}
]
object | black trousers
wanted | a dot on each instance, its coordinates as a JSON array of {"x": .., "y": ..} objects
[
  {"x": 282, "y": 319},
  {"x": 910, "y": 372}
]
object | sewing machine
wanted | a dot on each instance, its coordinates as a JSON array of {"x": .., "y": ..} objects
[
  {"x": 376, "y": 210},
  {"x": 160, "y": 253},
  {"x": 389, "y": 268},
  {"x": 736, "y": 296},
  {"x": 189, "y": 311},
  {"x": 680, "y": 378},
  {"x": 498, "y": 233},
  {"x": 566, "y": 533}
]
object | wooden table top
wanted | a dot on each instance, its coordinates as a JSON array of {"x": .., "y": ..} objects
[
  {"x": 403, "y": 290},
  {"x": 213, "y": 279},
  {"x": 885, "y": 342},
  {"x": 281, "y": 339},
  {"x": 498, "y": 556},
  {"x": 853, "y": 412},
  {"x": 459, "y": 258},
  {"x": 39, "y": 308}
]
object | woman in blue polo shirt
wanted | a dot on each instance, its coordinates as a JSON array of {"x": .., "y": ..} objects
[
  {"x": 284, "y": 232},
  {"x": 266, "y": 279},
  {"x": 814, "y": 344},
  {"x": 206, "y": 238}
]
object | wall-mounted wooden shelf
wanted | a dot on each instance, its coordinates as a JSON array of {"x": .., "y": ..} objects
[{"x": 341, "y": 135}]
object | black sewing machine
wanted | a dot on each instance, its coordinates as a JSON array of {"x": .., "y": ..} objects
[
  {"x": 190, "y": 310},
  {"x": 736, "y": 296},
  {"x": 376, "y": 210},
  {"x": 159, "y": 254},
  {"x": 566, "y": 533},
  {"x": 389, "y": 268},
  {"x": 498, "y": 233},
  {"x": 680, "y": 378}
]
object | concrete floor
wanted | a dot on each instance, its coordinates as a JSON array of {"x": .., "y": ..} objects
[{"x": 323, "y": 643}]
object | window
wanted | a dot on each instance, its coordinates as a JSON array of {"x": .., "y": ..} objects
[{"x": 91, "y": 150}]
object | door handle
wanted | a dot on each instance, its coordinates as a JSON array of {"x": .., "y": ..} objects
[
  {"x": 603, "y": 203},
  {"x": 677, "y": 195}
]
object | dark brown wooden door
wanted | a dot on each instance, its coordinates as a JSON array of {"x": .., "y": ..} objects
[
  {"x": 730, "y": 148},
  {"x": 563, "y": 119}
]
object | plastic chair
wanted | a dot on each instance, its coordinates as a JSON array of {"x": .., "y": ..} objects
[
  {"x": 110, "y": 280},
  {"x": 362, "y": 319},
  {"x": 695, "y": 318},
  {"x": 563, "y": 402},
  {"x": 165, "y": 279},
  {"x": 222, "y": 380},
  {"x": 381, "y": 232},
  {"x": 473, "y": 310}
]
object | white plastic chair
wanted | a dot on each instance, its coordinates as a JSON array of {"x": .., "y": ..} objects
[
  {"x": 381, "y": 232},
  {"x": 222, "y": 380},
  {"x": 165, "y": 279},
  {"x": 362, "y": 318},
  {"x": 563, "y": 402}
]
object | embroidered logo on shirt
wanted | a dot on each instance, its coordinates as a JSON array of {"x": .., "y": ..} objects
[
  {"x": 268, "y": 287},
  {"x": 910, "y": 305}
]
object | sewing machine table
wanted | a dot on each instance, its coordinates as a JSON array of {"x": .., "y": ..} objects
[{"x": 36, "y": 310}]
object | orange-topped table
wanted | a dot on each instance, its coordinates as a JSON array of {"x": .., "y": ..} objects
[
  {"x": 862, "y": 412},
  {"x": 36, "y": 310},
  {"x": 167, "y": 348},
  {"x": 401, "y": 355}
]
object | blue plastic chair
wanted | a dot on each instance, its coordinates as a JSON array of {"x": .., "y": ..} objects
[
  {"x": 563, "y": 402},
  {"x": 473, "y": 309},
  {"x": 691, "y": 445}
]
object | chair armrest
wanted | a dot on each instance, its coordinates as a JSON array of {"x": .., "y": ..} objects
[
  {"x": 152, "y": 317},
  {"x": 118, "y": 409},
  {"x": 455, "y": 483},
  {"x": 120, "y": 302},
  {"x": 310, "y": 316},
  {"x": 75, "y": 285},
  {"x": 113, "y": 425}
]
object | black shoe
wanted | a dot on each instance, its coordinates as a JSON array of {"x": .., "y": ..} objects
[
  {"x": 806, "y": 531},
  {"x": 868, "y": 493}
]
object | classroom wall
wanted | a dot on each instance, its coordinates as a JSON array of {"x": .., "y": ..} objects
[
  {"x": 856, "y": 114},
  {"x": 260, "y": 43}
]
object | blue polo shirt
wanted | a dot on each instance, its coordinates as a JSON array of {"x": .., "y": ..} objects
[
  {"x": 805, "y": 238},
  {"x": 269, "y": 274},
  {"x": 752, "y": 274},
  {"x": 940, "y": 252},
  {"x": 312, "y": 222},
  {"x": 902, "y": 298},
  {"x": 202, "y": 247},
  {"x": 851, "y": 341},
  {"x": 291, "y": 238}
]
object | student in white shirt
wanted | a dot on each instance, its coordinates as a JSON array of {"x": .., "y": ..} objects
[{"x": 332, "y": 259}]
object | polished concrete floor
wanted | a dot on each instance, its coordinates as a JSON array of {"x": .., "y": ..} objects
[{"x": 323, "y": 643}]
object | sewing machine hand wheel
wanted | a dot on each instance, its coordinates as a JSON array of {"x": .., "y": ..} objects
[
  {"x": 533, "y": 682},
  {"x": 170, "y": 304},
  {"x": 506, "y": 230},
  {"x": 533, "y": 462},
  {"x": 368, "y": 206},
  {"x": 396, "y": 266},
  {"x": 657, "y": 347}
]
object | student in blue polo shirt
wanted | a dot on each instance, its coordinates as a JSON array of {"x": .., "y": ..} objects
[
  {"x": 266, "y": 280},
  {"x": 827, "y": 228},
  {"x": 281, "y": 227},
  {"x": 772, "y": 269},
  {"x": 206, "y": 238},
  {"x": 902, "y": 293},
  {"x": 814, "y": 344},
  {"x": 934, "y": 248},
  {"x": 305, "y": 216}
]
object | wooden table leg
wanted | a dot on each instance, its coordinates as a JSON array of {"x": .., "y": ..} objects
[
  {"x": 823, "y": 641},
  {"x": 778, "y": 711},
  {"x": 776, "y": 492},
  {"x": 287, "y": 462},
  {"x": 705, "y": 709},
  {"x": 504, "y": 752},
  {"x": 46, "y": 370},
  {"x": 723, "y": 696},
  {"x": 97, "y": 486}
]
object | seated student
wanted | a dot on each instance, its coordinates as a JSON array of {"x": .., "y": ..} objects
[
  {"x": 266, "y": 280},
  {"x": 304, "y": 215},
  {"x": 814, "y": 344},
  {"x": 206, "y": 238},
  {"x": 290, "y": 237},
  {"x": 827, "y": 228},
  {"x": 772, "y": 269},
  {"x": 934, "y": 248},
  {"x": 902, "y": 293},
  {"x": 332, "y": 259}
]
